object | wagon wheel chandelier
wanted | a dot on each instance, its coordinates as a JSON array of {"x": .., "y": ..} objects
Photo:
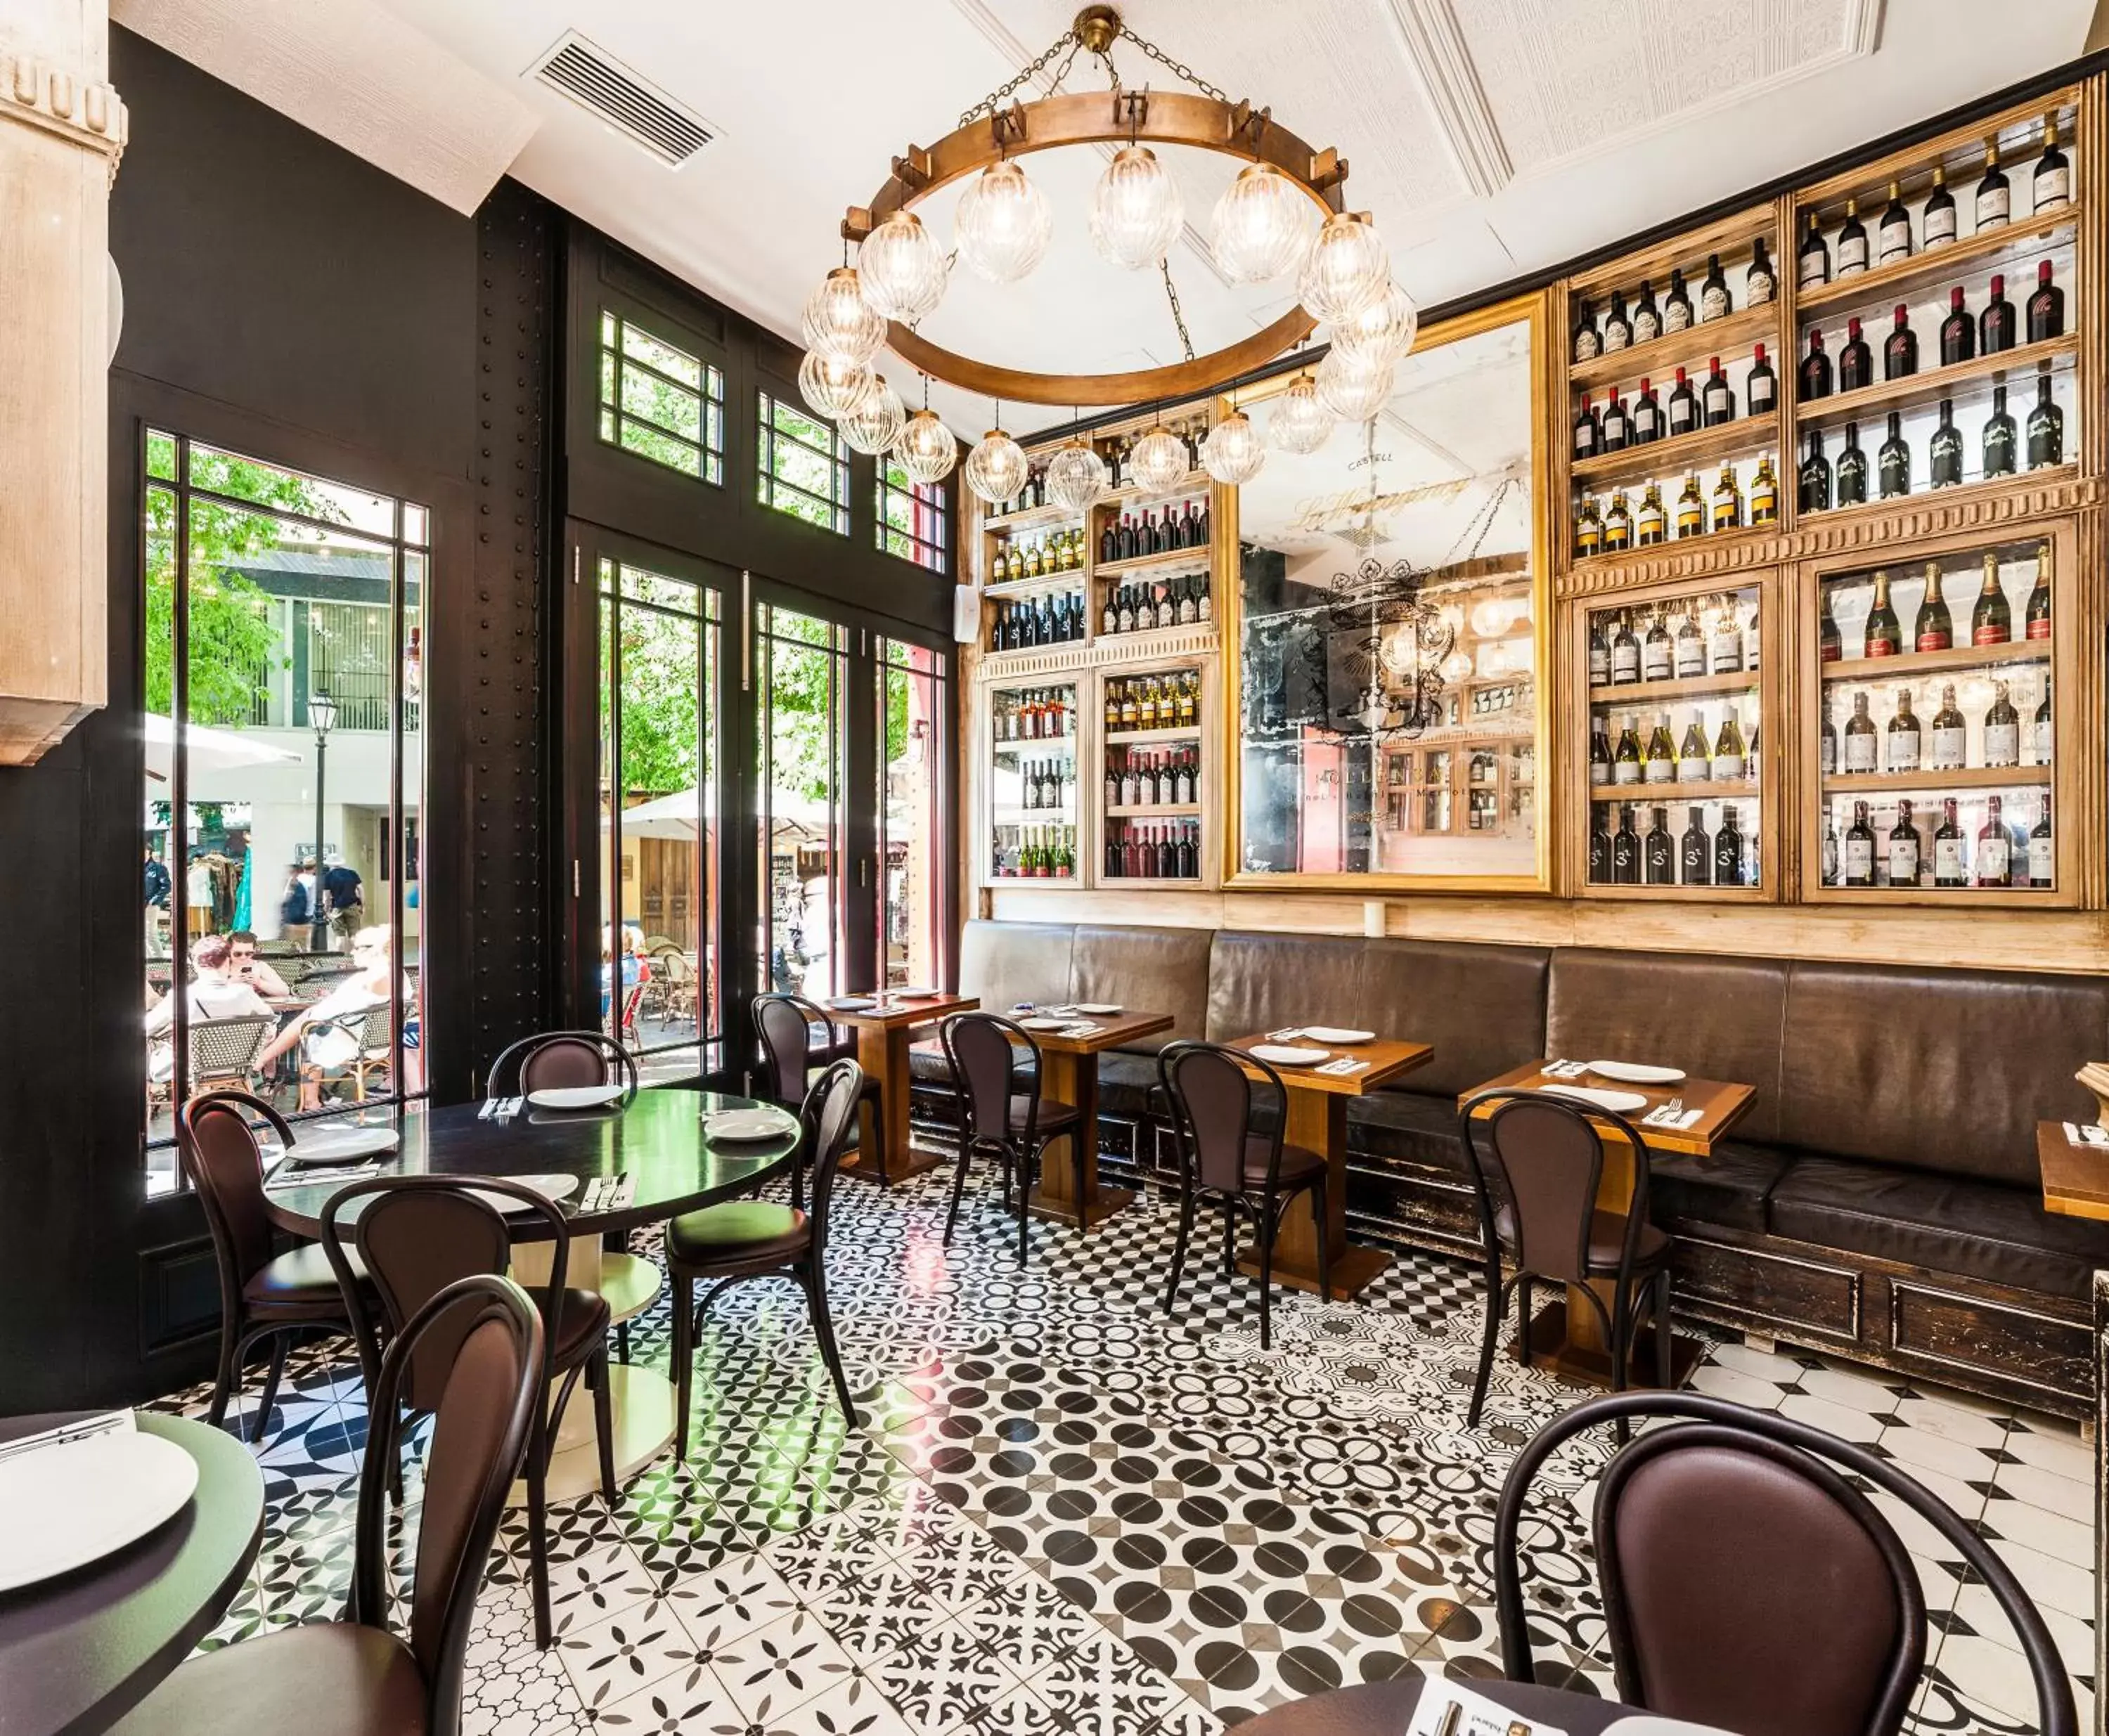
[{"x": 1284, "y": 214}]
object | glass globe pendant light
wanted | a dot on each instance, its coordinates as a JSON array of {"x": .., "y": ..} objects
[
  {"x": 927, "y": 448},
  {"x": 1351, "y": 389},
  {"x": 1347, "y": 270},
  {"x": 1002, "y": 224},
  {"x": 902, "y": 269},
  {"x": 839, "y": 323},
  {"x": 875, "y": 424},
  {"x": 1259, "y": 229},
  {"x": 1299, "y": 422},
  {"x": 995, "y": 469},
  {"x": 1383, "y": 331},
  {"x": 1233, "y": 452},
  {"x": 1136, "y": 209},
  {"x": 832, "y": 385},
  {"x": 1075, "y": 477},
  {"x": 1157, "y": 461}
]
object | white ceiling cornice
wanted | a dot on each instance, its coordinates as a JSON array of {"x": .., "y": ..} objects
[{"x": 1427, "y": 35}]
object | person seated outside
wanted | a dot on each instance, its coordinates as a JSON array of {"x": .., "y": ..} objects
[
  {"x": 636, "y": 968},
  {"x": 212, "y": 993},
  {"x": 360, "y": 992},
  {"x": 244, "y": 966}
]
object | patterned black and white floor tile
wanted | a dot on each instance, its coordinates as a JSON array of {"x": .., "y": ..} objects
[{"x": 1062, "y": 1508}]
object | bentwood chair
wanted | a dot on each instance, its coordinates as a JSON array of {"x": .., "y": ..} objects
[
  {"x": 1748, "y": 1583},
  {"x": 727, "y": 1244},
  {"x": 552, "y": 1059},
  {"x": 481, "y": 1340},
  {"x": 262, "y": 1295},
  {"x": 996, "y": 1076},
  {"x": 797, "y": 1040},
  {"x": 416, "y": 1234},
  {"x": 1222, "y": 1157},
  {"x": 1537, "y": 1161}
]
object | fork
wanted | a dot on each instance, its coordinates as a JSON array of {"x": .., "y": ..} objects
[{"x": 1670, "y": 1110}]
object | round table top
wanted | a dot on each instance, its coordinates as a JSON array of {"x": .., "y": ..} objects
[
  {"x": 657, "y": 1138},
  {"x": 1387, "y": 1708},
  {"x": 78, "y": 1651}
]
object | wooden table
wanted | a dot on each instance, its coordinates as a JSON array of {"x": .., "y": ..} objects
[
  {"x": 78, "y": 1651},
  {"x": 2076, "y": 1178},
  {"x": 1069, "y": 1074},
  {"x": 885, "y": 1029},
  {"x": 1316, "y": 1117},
  {"x": 1568, "y": 1334}
]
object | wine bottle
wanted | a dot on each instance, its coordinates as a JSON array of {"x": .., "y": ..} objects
[
  {"x": 1600, "y": 752},
  {"x": 1659, "y": 852},
  {"x": 1688, "y": 656},
  {"x": 1829, "y": 643},
  {"x": 1901, "y": 348},
  {"x": 1588, "y": 529},
  {"x": 1729, "y": 750},
  {"x": 1625, "y": 851},
  {"x": 1677, "y": 305},
  {"x": 1587, "y": 344},
  {"x": 1644, "y": 421},
  {"x": 1190, "y": 854},
  {"x": 1951, "y": 735},
  {"x": 1618, "y": 328},
  {"x": 1761, "y": 385},
  {"x": 2045, "y": 428},
  {"x": 1765, "y": 494},
  {"x": 1599, "y": 844},
  {"x": 1661, "y": 766},
  {"x": 1683, "y": 405},
  {"x": 1760, "y": 281},
  {"x": 1903, "y": 735},
  {"x": 1936, "y": 630},
  {"x": 1856, "y": 361},
  {"x": 1651, "y": 524},
  {"x": 1992, "y": 620},
  {"x": 1893, "y": 235},
  {"x": 1944, "y": 452},
  {"x": 2036, "y": 617},
  {"x": 1958, "y": 332},
  {"x": 2046, "y": 309},
  {"x": 1994, "y": 198},
  {"x": 2002, "y": 729},
  {"x": 1713, "y": 299},
  {"x": 1815, "y": 379},
  {"x": 2042, "y": 859},
  {"x": 1883, "y": 637},
  {"x": 1995, "y": 325},
  {"x": 1903, "y": 847},
  {"x": 1696, "y": 850},
  {"x": 1724, "y": 643},
  {"x": 2051, "y": 186},
  {"x": 1999, "y": 440},
  {"x": 1718, "y": 398},
  {"x": 1656, "y": 653},
  {"x": 1828, "y": 867},
  {"x": 1625, "y": 652},
  {"x": 1814, "y": 490},
  {"x": 1728, "y": 513},
  {"x": 1690, "y": 508},
  {"x": 1861, "y": 738},
  {"x": 1859, "y": 853},
  {"x": 1728, "y": 850},
  {"x": 1647, "y": 318},
  {"x": 1893, "y": 461},
  {"x": 1852, "y": 471},
  {"x": 1948, "y": 848},
  {"x": 1826, "y": 743},
  {"x": 1937, "y": 226},
  {"x": 1694, "y": 763},
  {"x": 1812, "y": 263},
  {"x": 1618, "y": 525},
  {"x": 1600, "y": 652},
  {"x": 1995, "y": 849},
  {"x": 1852, "y": 243},
  {"x": 1614, "y": 423},
  {"x": 1626, "y": 757}
]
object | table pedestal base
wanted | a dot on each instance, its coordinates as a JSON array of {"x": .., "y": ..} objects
[
  {"x": 1354, "y": 1266},
  {"x": 1589, "y": 1364},
  {"x": 911, "y": 1163},
  {"x": 1056, "y": 1209},
  {"x": 642, "y": 1400}
]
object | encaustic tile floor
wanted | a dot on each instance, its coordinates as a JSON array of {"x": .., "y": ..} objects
[{"x": 1060, "y": 1508}]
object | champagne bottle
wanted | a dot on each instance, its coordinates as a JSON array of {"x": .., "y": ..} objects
[
  {"x": 1903, "y": 847},
  {"x": 1999, "y": 442},
  {"x": 1812, "y": 263},
  {"x": 1661, "y": 764},
  {"x": 1936, "y": 630},
  {"x": 1893, "y": 235},
  {"x": 1696, "y": 850},
  {"x": 2002, "y": 729},
  {"x": 1677, "y": 305},
  {"x": 1860, "y": 738},
  {"x": 1901, "y": 348},
  {"x": 1945, "y": 454},
  {"x": 1859, "y": 853},
  {"x": 2046, "y": 309},
  {"x": 1625, "y": 851},
  {"x": 1694, "y": 766},
  {"x": 1851, "y": 474},
  {"x": 1883, "y": 637},
  {"x": 2051, "y": 186},
  {"x": 2043, "y": 858},
  {"x": 2046, "y": 433},
  {"x": 1852, "y": 243},
  {"x": 1951, "y": 735},
  {"x": 1994, "y": 198},
  {"x": 1995, "y": 325},
  {"x": 1815, "y": 376},
  {"x": 1937, "y": 227},
  {"x": 1813, "y": 490},
  {"x": 1948, "y": 848},
  {"x": 1659, "y": 852},
  {"x": 1856, "y": 361},
  {"x": 1893, "y": 461},
  {"x": 1958, "y": 332},
  {"x": 1903, "y": 735},
  {"x": 1992, "y": 620},
  {"x": 2036, "y": 617},
  {"x": 1829, "y": 643},
  {"x": 1995, "y": 848}
]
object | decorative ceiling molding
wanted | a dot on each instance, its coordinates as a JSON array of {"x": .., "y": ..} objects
[
  {"x": 360, "y": 77},
  {"x": 1434, "y": 47}
]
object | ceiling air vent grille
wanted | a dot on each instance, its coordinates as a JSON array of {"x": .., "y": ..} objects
[{"x": 590, "y": 77}]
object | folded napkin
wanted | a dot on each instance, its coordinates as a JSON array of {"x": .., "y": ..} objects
[
  {"x": 608, "y": 1192},
  {"x": 1563, "y": 1069},
  {"x": 296, "y": 1178},
  {"x": 2076, "y": 1134},
  {"x": 1086, "y": 1029},
  {"x": 1662, "y": 1117},
  {"x": 1343, "y": 1068}
]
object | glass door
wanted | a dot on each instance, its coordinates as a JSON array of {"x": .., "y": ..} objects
[
  {"x": 914, "y": 707},
  {"x": 801, "y": 674}
]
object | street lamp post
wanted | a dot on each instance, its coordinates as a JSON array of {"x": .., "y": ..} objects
[{"x": 321, "y": 712}]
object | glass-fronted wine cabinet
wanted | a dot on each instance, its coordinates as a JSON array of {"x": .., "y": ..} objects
[
  {"x": 1679, "y": 799},
  {"x": 1032, "y": 790},
  {"x": 1935, "y": 711},
  {"x": 1156, "y": 778}
]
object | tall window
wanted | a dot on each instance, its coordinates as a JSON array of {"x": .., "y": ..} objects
[
  {"x": 659, "y": 817},
  {"x": 660, "y": 402},
  {"x": 284, "y": 648},
  {"x": 913, "y": 709},
  {"x": 911, "y": 517},
  {"x": 803, "y": 466},
  {"x": 801, "y": 738}
]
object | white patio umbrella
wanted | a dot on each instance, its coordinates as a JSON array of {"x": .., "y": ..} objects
[
  {"x": 210, "y": 749},
  {"x": 676, "y": 816}
]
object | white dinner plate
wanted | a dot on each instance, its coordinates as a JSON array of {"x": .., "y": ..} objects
[
  {"x": 551, "y": 1187},
  {"x": 63, "y": 1506},
  {"x": 327, "y": 1150},
  {"x": 749, "y": 1124},
  {"x": 1647, "y": 1724},
  {"x": 1633, "y": 1073},
  {"x": 1619, "y": 1102},
  {"x": 1335, "y": 1034},
  {"x": 851, "y": 1003},
  {"x": 575, "y": 1097},
  {"x": 1044, "y": 1024},
  {"x": 917, "y": 994},
  {"x": 1097, "y": 1009},
  {"x": 1282, "y": 1056}
]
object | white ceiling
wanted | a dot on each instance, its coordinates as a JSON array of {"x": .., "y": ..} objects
[{"x": 1488, "y": 137}]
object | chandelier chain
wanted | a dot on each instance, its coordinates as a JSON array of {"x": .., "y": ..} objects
[
  {"x": 1171, "y": 296},
  {"x": 991, "y": 103},
  {"x": 1178, "y": 69}
]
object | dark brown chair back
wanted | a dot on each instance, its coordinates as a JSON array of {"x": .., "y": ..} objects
[
  {"x": 552, "y": 1059},
  {"x": 785, "y": 1023},
  {"x": 1747, "y": 1584},
  {"x": 484, "y": 1410},
  {"x": 416, "y": 1235},
  {"x": 1542, "y": 1158},
  {"x": 1211, "y": 1099},
  {"x": 984, "y": 1050},
  {"x": 829, "y": 1116},
  {"x": 224, "y": 1166}
]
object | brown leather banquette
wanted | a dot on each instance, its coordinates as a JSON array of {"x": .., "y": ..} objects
[{"x": 1880, "y": 1200}]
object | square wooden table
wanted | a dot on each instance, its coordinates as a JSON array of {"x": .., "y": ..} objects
[
  {"x": 1568, "y": 1333},
  {"x": 884, "y": 1032},
  {"x": 1069, "y": 1074},
  {"x": 1316, "y": 1117},
  {"x": 2076, "y": 1178}
]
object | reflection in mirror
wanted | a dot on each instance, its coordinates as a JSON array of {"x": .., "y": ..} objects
[{"x": 1388, "y": 631}]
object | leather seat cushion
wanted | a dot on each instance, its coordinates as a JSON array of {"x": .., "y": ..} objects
[
  {"x": 1607, "y": 1240},
  {"x": 300, "y": 1279},
  {"x": 738, "y": 1230},
  {"x": 1297, "y": 1163},
  {"x": 1948, "y": 1223},
  {"x": 328, "y": 1678},
  {"x": 582, "y": 1319},
  {"x": 1729, "y": 1188},
  {"x": 1407, "y": 1127},
  {"x": 1128, "y": 1086},
  {"x": 1051, "y": 1116}
]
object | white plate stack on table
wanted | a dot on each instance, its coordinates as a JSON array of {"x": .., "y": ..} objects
[{"x": 74, "y": 1494}]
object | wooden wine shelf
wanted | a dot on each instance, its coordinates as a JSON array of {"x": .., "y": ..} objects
[
  {"x": 1161, "y": 811},
  {"x": 1195, "y": 483},
  {"x": 1690, "y": 687},
  {"x": 1659, "y": 357},
  {"x": 1676, "y": 795},
  {"x": 1975, "y": 256},
  {"x": 1747, "y": 436},
  {"x": 1032, "y": 518},
  {"x": 1970, "y": 778},
  {"x": 1178, "y": 732},
  {"x": 1932, "y": 385},
  {"x": 1072, "y": 580},
  {"x": 1003, "y": 815},
  {"x": 1909, "y": 664},
  {"x": 1052, "y": 744},
  {"x": 1197, "y": 558}
]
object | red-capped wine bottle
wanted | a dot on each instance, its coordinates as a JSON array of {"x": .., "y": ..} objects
[
  {"x": 1883, "y": 638},
  {"x": 2046, "y": 312},
  {"x": 1992, "y": 620},
  {"x": 1856, "y": 361},
  {"x": 1936, "y": 630},
  {"x": 1683, "y": 405},
  {"x": 1761, "y": 385},
  {"x": 2036, "y": 618},
  {"x": 1995, "y": 325},
  {"x": 1719, "y": 399},
  {"x": 1815, "y": 377},
  {"x": 1831, "y": 646},
  {"x": 1901, "y": 348},
  {"x": 1958, "y": 332}
]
